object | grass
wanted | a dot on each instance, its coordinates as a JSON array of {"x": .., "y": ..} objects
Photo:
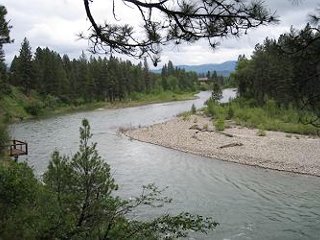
[
  {"x": 219, "y": 125},
  {"x": 158, "y": 97},
  {"x": 185, "y": 115},
  {"x": 261, "y": 131},
  {"x": 17, "y": 106},
  {"x": 134, "y": 100},
  {"x": 267, "y": 117}
]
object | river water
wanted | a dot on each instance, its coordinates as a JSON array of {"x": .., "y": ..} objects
[{"x": 248, "y": 202}]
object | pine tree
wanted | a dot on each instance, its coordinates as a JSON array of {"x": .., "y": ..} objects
[
  {"x": 4, "y": 39},
  {"x": 87, "y": 207},
  {"x": 24, "y": 74},
  {"x": 146, "y": 75}
]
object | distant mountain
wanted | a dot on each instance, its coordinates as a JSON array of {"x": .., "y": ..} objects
[{"x": 222, "y": 69}]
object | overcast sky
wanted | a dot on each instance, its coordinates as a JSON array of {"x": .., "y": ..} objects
[{"x": 56, "y": 23}]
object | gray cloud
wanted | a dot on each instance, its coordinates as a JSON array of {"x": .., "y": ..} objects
[{"x": 55, "y": 24}]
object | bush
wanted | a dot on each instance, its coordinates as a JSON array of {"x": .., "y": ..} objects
[
  {"x": 271, "y": 107},
  {"x": 51, "y": 102},
  {"x": 214, "y": 109},
  {"x": 270, "y": 116},
  {"x": 261, "y": 131},
  {"x": 4, "y": 138},
  {"x": 34, "y": 108},
  {"x": 19, "y": 205},
  {"x": 185, "y": 115},
  {"x": 219, "y": 125},
  {"x": 193, "y": 109},
  {"x": 230, "y": 113}
]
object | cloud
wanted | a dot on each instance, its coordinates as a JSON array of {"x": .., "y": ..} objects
[{"x": 55, "y": 24}]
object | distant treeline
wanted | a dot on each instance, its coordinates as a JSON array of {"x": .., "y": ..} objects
[
  {"x": 85, "y": 80},
  {"x": 217, "y": 79},
  {"x": 286, "y": 70}
]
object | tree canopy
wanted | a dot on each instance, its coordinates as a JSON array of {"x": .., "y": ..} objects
[
  {"x": 90, "y": 79},
  {"x": 173, "y": 21},
  {"x": 286, "y": 70},
  {"x": 4, "y": 39}
]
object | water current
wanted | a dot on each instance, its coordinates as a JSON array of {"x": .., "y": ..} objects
[{"x": 248, "y": 202}]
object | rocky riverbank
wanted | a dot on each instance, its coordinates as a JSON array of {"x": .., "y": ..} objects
[{"x": 275, "y": 150}]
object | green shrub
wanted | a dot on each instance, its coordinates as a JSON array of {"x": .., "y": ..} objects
[
  {"x": 4, "y": 138},
  {"x": 51, "y": 102},
  {"x": 193, "y": 109},
  {"x": 210, "y": 110},
  {"x": 215, "y": 110},
  {"x": 271, "y": 107},
  {"x": 261, "y": 132},
  {"x": 185, "y": 115},
  {"x": 219, "y": 125},
  {"x": 230, "y": 113},
  {"x": 19, "y": 205},
  {"x": 34, "y": 108}
]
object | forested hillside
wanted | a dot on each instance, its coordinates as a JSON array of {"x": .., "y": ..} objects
[
  {"x": 286, "y": 70},
  {"x": 90, "y": 79},
  {"x": 45, "y": 80}
]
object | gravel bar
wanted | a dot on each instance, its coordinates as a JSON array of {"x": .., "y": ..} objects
[{"x": 277, "y": 150}]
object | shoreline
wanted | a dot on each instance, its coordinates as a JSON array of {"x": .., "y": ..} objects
[
  {"x": 105, "y": 106},
  {"x": 277, "y": 150}
]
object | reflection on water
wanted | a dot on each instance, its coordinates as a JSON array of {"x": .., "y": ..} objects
[{"x": 248, "y": 202}]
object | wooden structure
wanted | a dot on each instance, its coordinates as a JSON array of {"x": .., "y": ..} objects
[
  {"x": 203, "y": 79},
  {"x": 17, "y": 148}
]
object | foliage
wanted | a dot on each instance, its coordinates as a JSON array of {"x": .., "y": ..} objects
[
  {"x": 17, "y": 105},
  {"x": 271, "y": 116},
  {"x": 176, "y": 79},
  {"x": 83, "y": 80},
  {"x": 4, "y": 86},
  {"x": 35, "y": 108},
  {"x": 285, "y": 70},
  {"x": 4, "y": 27},
  {"x": 185, "y": 115},
  {"x": 261, "y": 132},
  {"x": 22, "y": 202},
  {"x": 193, "y": 109},
  {"x": 4, "y": 39},
  {"x": 216, "y": 92},
  {"x": 3, "y": 137},
  {"x": 169, "y": 21},
  {"x": 160, "y": 96},
  {"x": 23, "y": 75},
  {"x": 219, "y": 124},
  {"x": 77, "y": 200},
  {"x": 214, "y": 109},
  {"x": 230, "y": 112}
]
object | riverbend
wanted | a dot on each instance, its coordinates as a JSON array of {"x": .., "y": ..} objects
[{"x": 248, "y": 202}]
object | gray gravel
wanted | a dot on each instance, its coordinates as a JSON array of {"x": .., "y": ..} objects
[{"x": 276, "y": 150}]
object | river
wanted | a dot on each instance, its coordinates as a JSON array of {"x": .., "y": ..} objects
[{"x": 248, "y": 202}]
